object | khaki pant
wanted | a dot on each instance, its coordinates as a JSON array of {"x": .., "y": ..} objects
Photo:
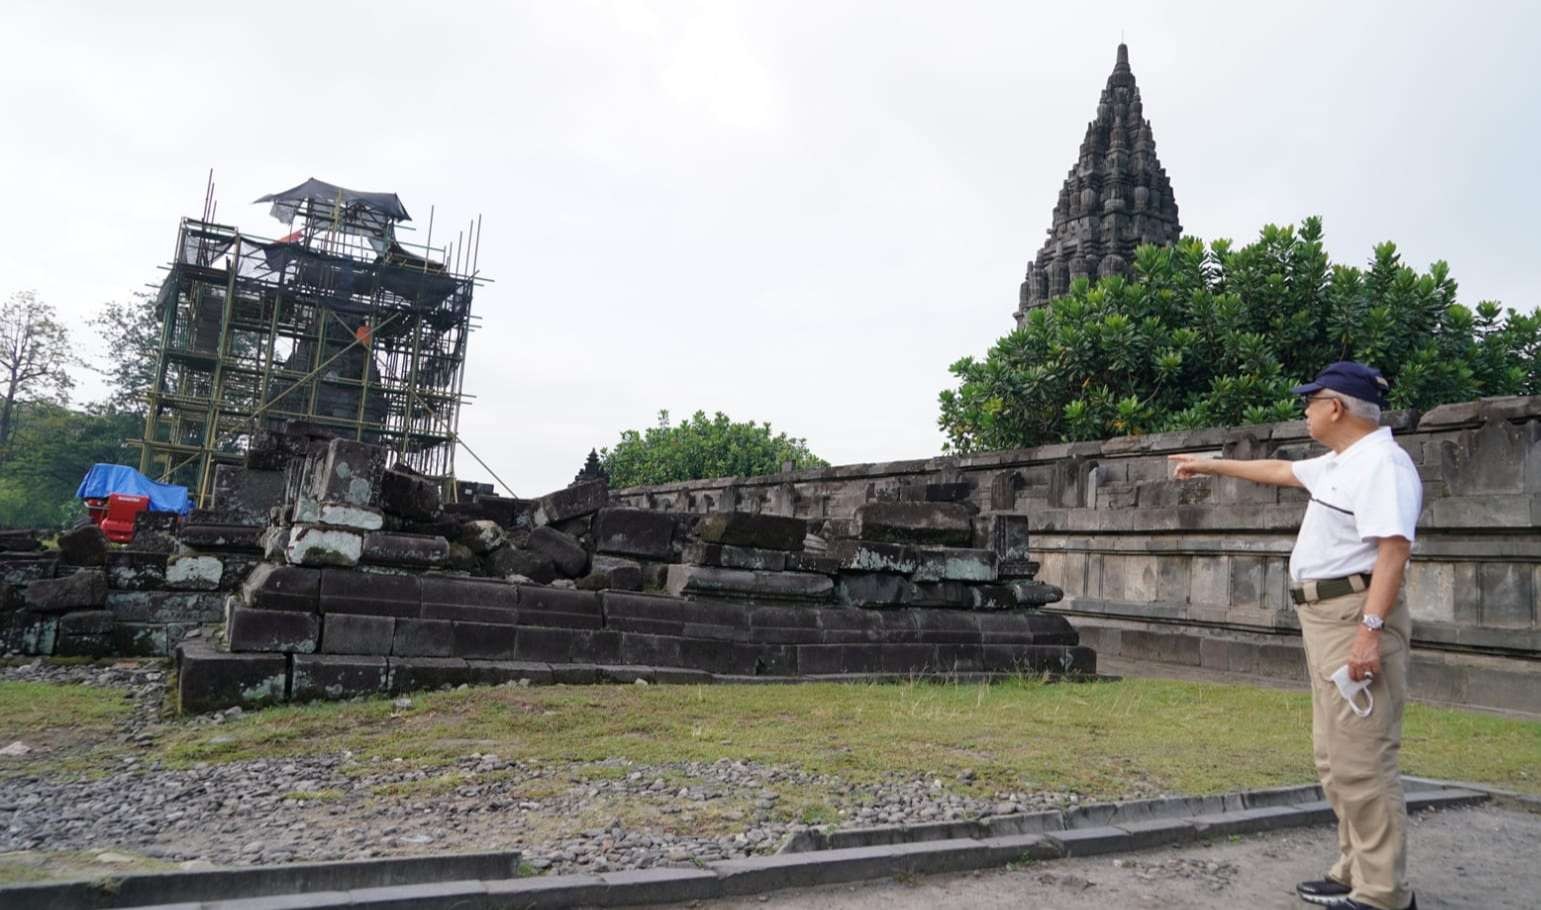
[{"x": 1356, "y": 757}]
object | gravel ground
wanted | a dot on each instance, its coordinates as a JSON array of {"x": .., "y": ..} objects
[{"x": 565, "y": 817}]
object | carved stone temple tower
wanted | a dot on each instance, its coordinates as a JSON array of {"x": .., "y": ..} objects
[{"x": 1116, "y": 197}]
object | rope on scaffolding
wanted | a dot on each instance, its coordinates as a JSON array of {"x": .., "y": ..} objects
[{"x": 461, "y": 440}]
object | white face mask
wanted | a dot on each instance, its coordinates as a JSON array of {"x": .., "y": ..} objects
[{"x": 1348, "y": 688}]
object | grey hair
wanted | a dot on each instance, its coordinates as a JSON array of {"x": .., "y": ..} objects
[{"x": 1356, "y": 407}]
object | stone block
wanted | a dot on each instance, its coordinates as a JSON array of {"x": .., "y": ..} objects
[
  {"x": 422, "y": 674},
  {"x": 349, "y": 633},
  {"x": 951, "y": 627},
  {"x": 1508, "y": 594},
  {"x": 954, "y": 564},
  {"x": 1210, "y": 580},
  {"x": 20, "y": 540},
  {"x": 993, "y": 597},
  {"x": 820, "y": 563},
  {"x": 313, "y": 545},
  {"x": 156, "y": 531},
  {"x": 461, "y": 559},
  {"x": 413, "y": 550},
  {"x": 211, "y": 536},
  {"x": 871, "y": 556},
  {"x": 954, "y": 594},
  {"x": 944, "y": 524},
  {"x": 482, "y": 536},
  {"x": 469, "y": 600},
  {"x": 1430, "y": 591},
  {"x": 20, "y": 568},
  {"x": 829, "y": 660},
  {"x": 568, "y": 645},
  {"x": 612, "y": 573},
  {"x": 1035, "y": 593},
  {"x": 332, "y": 677},
  {"x": 209, "y": 680},
  {"x": 248, "y": 495},
  {"x": 634, "y": 532},
  {"x": 24, "y": 632},
  {"x": 579, "y": 499},
  {"x": 730, "y": 557},
  {"x": 708, "y": 581},
  {"x": 557, "y": 608},
  {"x": 515, "y": 563},
  {"x": 166, "y": 606},
  {"x": 498, "y": 672},
  {"x": 424, "y": 638},
  {"x": 952, "y": 491},
  {"x": 348, "y": 472},
  {"x": 649, "y": 613},
  {"x": 566, "y": 553},
  {"x": 132, "y": 639},
  {"x": 86, "y": 622},
  {"x": 83, "y": 546},
  {"x": 483, "y": 641},
  {"x": 347, "y": 515},
  {"x": 408, "y": 494},
  {"x": 1247, "y": 580},
  {"x": 85, "y": 590},
  {"x": 250, "y": 629},
  {"x": 194, "y": 572},
  {"x": 639, "y": 648},
  {"x": 345, "y": 591},
  {"x": 1004, "y": 532},
  {"x": 271, "y": 586},
  {"x": 745, "y": 529}
]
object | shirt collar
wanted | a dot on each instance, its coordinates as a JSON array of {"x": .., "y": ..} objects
[{"x": 1372, "y": 438}]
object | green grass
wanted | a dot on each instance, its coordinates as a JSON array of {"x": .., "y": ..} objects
[
  {"x": 67, "y": 726},
  {"x": 1102, "y": 740}
]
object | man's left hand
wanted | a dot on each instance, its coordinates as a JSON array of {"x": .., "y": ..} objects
[{"x": 1364, "y": 656}]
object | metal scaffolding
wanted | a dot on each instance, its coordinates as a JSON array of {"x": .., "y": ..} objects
[{"x": 338, "y": 324}]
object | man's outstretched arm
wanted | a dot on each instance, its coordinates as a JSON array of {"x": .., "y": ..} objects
[{"x": 1271, "y": 471}]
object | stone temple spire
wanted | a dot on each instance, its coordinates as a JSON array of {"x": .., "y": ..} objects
[{"x": 1116, "y": 197}]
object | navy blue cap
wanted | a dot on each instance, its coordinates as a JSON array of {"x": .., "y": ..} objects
[{"x": 1353, "y": 379}]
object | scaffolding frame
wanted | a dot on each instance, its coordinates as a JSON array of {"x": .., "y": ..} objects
[{"x": 338, "y": 324}]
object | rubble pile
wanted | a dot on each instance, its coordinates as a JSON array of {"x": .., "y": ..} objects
[{"x": 325, "y": 571}]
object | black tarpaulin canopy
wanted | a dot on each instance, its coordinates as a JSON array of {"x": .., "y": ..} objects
[{"x": 374, "y": 212}]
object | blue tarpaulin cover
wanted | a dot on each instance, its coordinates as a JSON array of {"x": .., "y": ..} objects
[{"x": 104, "y": 479}]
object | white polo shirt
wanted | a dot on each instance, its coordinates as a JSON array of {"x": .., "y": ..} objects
[{"x": 1367, "y": 491}]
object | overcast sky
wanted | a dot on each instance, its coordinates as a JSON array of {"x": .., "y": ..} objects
[{"x": 799, "y": 212}]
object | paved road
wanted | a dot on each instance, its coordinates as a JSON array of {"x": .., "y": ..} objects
[{"x": 1480, "y": 857}]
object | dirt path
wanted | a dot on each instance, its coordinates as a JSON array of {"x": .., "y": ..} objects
[{"x": 1482, "y": 857}]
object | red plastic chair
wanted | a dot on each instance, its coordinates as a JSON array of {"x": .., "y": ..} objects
[{"x": 121, "y": 510}]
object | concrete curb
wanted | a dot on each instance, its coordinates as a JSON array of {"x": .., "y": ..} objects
[
  {"x": 1504, "y": 799},
  {"x": 928, "y": 849},
  {"x": 253, "y": 881}
]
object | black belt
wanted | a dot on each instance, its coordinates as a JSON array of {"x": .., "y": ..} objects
[{"x": 1328, "y": 588}]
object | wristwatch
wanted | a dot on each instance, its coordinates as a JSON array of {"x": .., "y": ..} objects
[{"x": 1373, "y": 622}]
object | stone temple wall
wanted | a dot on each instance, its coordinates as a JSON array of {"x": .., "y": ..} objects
[{"x": 1195, "y": 573}]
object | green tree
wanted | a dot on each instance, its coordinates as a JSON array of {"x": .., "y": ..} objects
[
  {"x": 1215, "y": 336},
  {"x": 131, "y": 332},
  {"x": 52, "y": 450},
  {"x": 35, "y": 357},
  {"x": 702, "y": 447}
]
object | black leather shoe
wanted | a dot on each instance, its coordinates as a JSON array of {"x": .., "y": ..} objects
[
  {"x": 1323, "y": 891},
  {"x": 1348, "y": 903}
]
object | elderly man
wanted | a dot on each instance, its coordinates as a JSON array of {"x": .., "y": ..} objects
[{"x": 1346, "y": 572}]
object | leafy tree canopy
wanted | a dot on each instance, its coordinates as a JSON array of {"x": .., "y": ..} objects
[
  {"x": 52, "y": 450},
  {"x": 702, "y": 447},
  {"x": 1215, "y": 336}
]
